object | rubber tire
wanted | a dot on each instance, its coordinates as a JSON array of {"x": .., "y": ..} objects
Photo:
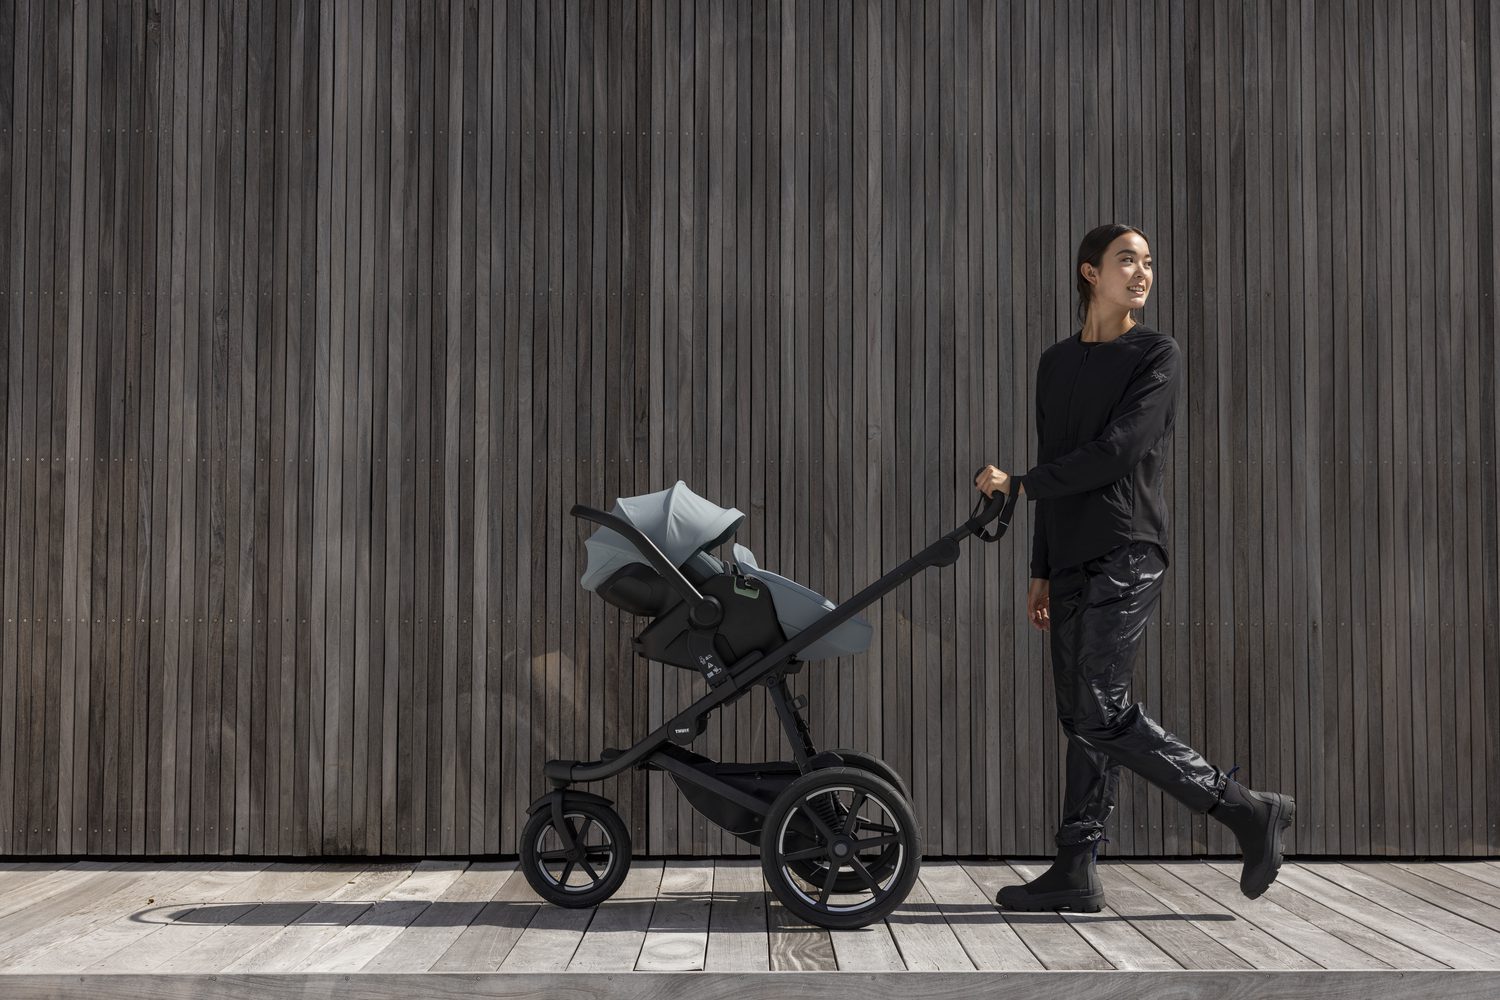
[
  {"x": 531, "y": 865},
  {"x": 865, "y": 780},
  {"x": 873, "y": 764}
]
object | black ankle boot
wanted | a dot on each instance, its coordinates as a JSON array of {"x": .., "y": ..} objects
[
  {"x": 1070, "y": 884},
  {"x": 1257, "y": 820}
]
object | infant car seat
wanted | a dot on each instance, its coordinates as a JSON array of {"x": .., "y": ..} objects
[{"x": 761, "y": 609}]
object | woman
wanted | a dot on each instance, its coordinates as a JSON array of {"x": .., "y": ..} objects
[{"x": 1105, "y": 406}]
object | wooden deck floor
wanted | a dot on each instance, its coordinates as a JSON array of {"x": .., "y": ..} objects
[{"x": 1174, "y": 929}]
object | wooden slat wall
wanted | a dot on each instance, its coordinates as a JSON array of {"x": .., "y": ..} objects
[{"x": 317, "y": 318}]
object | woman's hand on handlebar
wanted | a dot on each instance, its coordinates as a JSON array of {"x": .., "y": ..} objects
[
  {"x": 1039, "y": 604},
  {"x": 991, "y": 479}
]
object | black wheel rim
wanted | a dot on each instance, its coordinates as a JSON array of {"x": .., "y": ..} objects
[
  {"x": 582, "y": 869},
  {"x": 841, "y": 828}
]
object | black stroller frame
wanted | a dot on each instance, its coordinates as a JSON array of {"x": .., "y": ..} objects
[{"x": 702, "y": 780}]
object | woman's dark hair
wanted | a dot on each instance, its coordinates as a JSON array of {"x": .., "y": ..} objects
[{"x": 1091, "y": 251}]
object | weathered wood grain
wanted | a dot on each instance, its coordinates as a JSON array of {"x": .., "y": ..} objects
[{"x": 181, "y": 921}]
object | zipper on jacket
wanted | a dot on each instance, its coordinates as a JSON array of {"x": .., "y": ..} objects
[{"x": 1073, "y": 392}]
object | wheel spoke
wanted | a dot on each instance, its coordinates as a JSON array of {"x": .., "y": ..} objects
[
  {"x": 553, "y": 855},
  {"x": 568, "y": 834},
  {"x": 592, "y": 874},
  {"x": 877, "y": 827},
  {"x": 817, "y": 820},
  {"x": 861, "y": 845},
  {"x": 833, "y": 874},
  {"x": 864, "y": 873},
  {"x": 567, "y": 870},
  {"x": 807, "y": 855},
  {"x": 853, "y": 818}
]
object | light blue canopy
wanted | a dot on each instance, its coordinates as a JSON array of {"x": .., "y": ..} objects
[{"x": 679, "y": 521}]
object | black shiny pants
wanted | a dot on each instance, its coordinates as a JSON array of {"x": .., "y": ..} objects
[{"x": 1099, "y": 612}]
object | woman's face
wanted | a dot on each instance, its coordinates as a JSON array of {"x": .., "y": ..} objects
[{"x": 1123, "y": 277}]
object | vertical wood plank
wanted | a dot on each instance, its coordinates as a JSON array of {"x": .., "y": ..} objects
[
  {"x": 479, "y": 119},
  {"x": 365, "y": 664},
  {"x": 73, "y": 748},
  {"x": 134, "y": 666},
  {"x": 395, "y": 434},
  {"x": 216, "y": 383},
  {"x": 447, "y": 212},
  {"x": 13, "y": 133}
]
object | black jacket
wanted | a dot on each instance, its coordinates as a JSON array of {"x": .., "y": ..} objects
[{"x": 1104, "y": 415}]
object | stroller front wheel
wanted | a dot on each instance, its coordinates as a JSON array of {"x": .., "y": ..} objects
[
  {"x": 581, "y": 865},
  {"x": 840, "y": 847}
]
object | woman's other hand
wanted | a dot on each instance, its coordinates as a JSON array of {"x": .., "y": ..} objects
[
  {"x": 991, "y": 479},
  {"x": 1039, "y": 604}
]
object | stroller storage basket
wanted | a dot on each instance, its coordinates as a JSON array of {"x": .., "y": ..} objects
[{"x": 764, "y": 781}]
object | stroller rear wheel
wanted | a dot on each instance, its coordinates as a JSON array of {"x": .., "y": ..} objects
[
  {"x": 840, "y": 847},
  {"x": 815, "y": 871},
  {"x": 581, "y": 865}
]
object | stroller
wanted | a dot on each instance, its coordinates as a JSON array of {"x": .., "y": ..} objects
[{"x": 839, "y": 842}]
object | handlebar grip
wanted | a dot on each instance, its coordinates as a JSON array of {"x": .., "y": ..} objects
[{"x": 997, "y": 505}]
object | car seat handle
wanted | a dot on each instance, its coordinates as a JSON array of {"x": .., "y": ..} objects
[{"x": 701, "y": 609}]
